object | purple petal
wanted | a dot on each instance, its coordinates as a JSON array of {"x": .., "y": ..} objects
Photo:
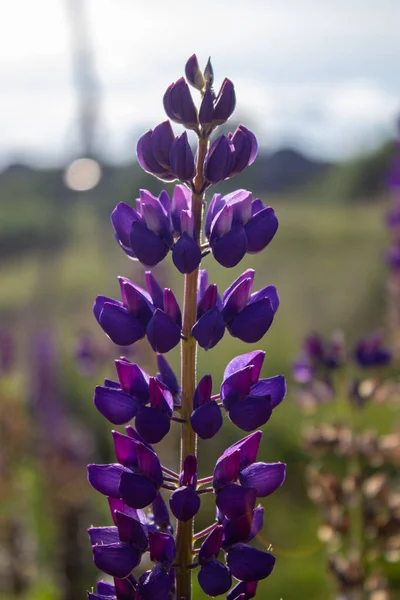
[
  {"x": 214, "y": 578},
  {"x": 225, "y": 102},
  {"x": 162, "y": 548},
  {"x": 131, "y": 531},
  {"x": 155, "y": 584},
  {"x": 115, "y": 405},
  {"x": 253, "y": 322},
  {"x": 105, "y": 589},
  {"x": 116, "y": 560},
  {"x": 211, "y": 546},
  {"x": 275, "y": 387},
  {"x": 216, "y": 204},
  {"x": 180, "y": 104},
  {"x": 269, "y": 292},
  {"x": 260, "y": 230},
  {"x": 248, "y": 447},
  {"x": 152, "y": 424},
  {"x": 167, "y": 376},
  {"x": 186, "y": 254},
  {"x": 181, "y": 200},
  {"x": 206, "y": 113},
  {"x": 133, "y": 380},
  {"x": 147, "y": 161},
  {"x": 245, "y": 149},
  {"x": 184, "y": 503},
  {"x": 249, "y": 564},
  {"x": 181, "y": 157},
  {"x": 207, "y": 420},
  {"x": 209, "y": 299},
  {"x": 149, "y": 248},
  {"x": 203, "y": 391},
  {"x": 264, "y": 477},
  {"x": 116, "y": 504},
  {"x": 162, "y": 139},
  {"x": 237, "y": 530},
  {"x": 222, "y": 223},
  {"x": 171, "y": 307},
  {"x": 251, "y": 413},
  {"x": 219, "y": 160},
  {"x": 248, "y": 588},
  {"x": 255, "y": 358},
  {"x": 136, "y": 490},
  {"x": 136, "y": 300},
  {"x": 193, "y": 73},
  {"x": 149, "y": 464},
  {"x": 248, "y": 273},
  {"x": 106, "y": 478},
  {"x": 160, "y": 514},
  {"x": 240, "y": 201},
  {"x": 103, "y": 535},
  {"x": 257, "y": 523},
  {"x": 209, "y": 329},
  {"x": 236, "y": 387},
  {"x": 230, "y": 248},
  {"x": 155, "y": 290},
  {"x": 237, "y": 300},
  {"x": 226, "y": 469},
  {"x": 189, "y": 473},
  {"x": 163, "y": 334},
  {"x": 122, "y": 218},
  {"x": 125, "y": 449},
  {"x": 120, "y": 326},
  {"x": 234, "y": 500}
]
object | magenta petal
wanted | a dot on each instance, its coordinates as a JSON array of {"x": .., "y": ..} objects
[
  {"x": 236, "y": 387},
  {"x": 251, "y": 324},
  {"x": 117, "y": 560},
  {"x": 115, "y": 405},
  {"x": 136, "y": 490},
  {"x": 260, "y": 230},
  {"x": 264, "y": 477},
  {"x": 248, "y": 447},
  {"x": 249, "y": 564},
  {"x": 251, "y": 413},
  {"x": 244, "y": 590},
  {"x": 162, "y": 548},
  {"x": 214, "y": 578},
  {"x": 162, "y": 333},
  {"x": 133, "y": 380}
]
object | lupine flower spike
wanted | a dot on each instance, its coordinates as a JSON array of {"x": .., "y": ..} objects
[{"x": 142, "y": 520}]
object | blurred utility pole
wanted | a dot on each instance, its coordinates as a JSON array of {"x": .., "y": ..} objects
[{"x": 85, "y": 78}]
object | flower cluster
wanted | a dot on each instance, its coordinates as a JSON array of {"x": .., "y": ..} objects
[{"x": 146, "y": 404}]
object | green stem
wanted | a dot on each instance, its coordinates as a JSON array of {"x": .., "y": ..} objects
[{"x": 184, "y": 532}]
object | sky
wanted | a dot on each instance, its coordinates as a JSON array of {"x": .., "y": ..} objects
[{"x": 321, "y": 76}]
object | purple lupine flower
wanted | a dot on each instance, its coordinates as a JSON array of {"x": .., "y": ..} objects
[
  {"x": 371, "y": 352},
  {"x": 214, "y": 577},
  {"x": 179, "y": 105},
  {"x": 248, "y": 316},
  {"x": 185, "y": 501},
  {"x": 155, "y": 314},
  {"x": 236, "y": 224},
  {"x": 138, "y": 395},
  {"x": 144, "y": 233},
  {"x": 157, "y": 143},
  {"x": 135, "y": 479},
  {"x": 206, "y": 418},
  {"x": 248, "y": 400},
  {"x": 229, "y": 155}
]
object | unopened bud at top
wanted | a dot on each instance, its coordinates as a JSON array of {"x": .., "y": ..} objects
[
  {"x": 193, "y": 73},
  {"x": 209, "y": 73}
]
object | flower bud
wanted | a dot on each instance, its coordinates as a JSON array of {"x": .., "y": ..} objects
[{"x": 193, "y": 73}]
